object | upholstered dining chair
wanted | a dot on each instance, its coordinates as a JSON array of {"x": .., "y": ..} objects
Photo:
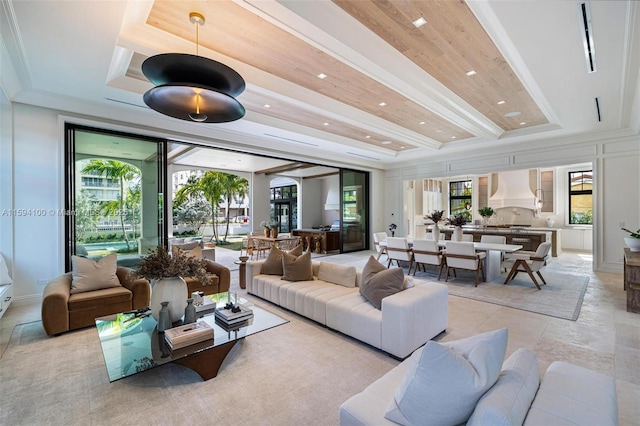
[
  {"x": 467, "y": 237},
  {"x": 528, "y": 262},
  {"x": 440, "y": 237},
  {"x": 377, "y": 238},
  {"x": 398, "y": 249},
  {"x": 427, "y": 252},
  {"x": 495, "y": 239},
  {"x": 463, "y": 255}
]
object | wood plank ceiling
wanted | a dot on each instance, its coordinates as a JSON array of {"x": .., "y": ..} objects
[{"x": 451, "y": 44}]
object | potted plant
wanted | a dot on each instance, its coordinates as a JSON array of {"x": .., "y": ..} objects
[
  {"x": 633, "y": 241},
  {"x": 392, "y": 228},
  {"x": 435, "y": 217},
  {"x": 267, "y": 227},
  {"x": 456, "y": 221},
  {"x": 166, "y": 272},
  {"x": 486, "y": 213},
  {"x": 273, "y": 226}
]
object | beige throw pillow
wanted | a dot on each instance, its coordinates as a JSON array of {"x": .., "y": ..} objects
[
  {"x": 273, "y": 263},
  {"x": 89, "y": 275},
  {"x": 297, "y": 268},
  {"x": 344, "y": 275},
  {"x": 378, "y": 282},
  {"x": 296, "y": 251}
]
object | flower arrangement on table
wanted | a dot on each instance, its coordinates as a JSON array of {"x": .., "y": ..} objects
[
  {"x": 635, "y": 234},
  {"x": 633, "y": 240},
  {"x": 436, "y": 216},
  {"x": 265, "y": 224},
  {"x": 392, "y": 228},
  {"x": 160, "y": 264},
  {"x": 456, "y": 220}
]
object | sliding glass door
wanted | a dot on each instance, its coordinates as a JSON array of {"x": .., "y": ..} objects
[
  {"x": 114, "y": 194},
  {"x": 355, "y": 210}
]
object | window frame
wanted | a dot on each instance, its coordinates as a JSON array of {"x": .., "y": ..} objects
[
  {"x": 571, "y": 193},
  {"x": 461, "y": 197}
]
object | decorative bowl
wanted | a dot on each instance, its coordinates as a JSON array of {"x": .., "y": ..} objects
[{"x": 632, "y": 243}]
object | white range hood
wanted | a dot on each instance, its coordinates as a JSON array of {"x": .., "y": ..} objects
[{"x": 513, "y": 191}]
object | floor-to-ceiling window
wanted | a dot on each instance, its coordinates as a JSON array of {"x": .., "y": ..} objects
[
  {"x": 284, "y": 207},
  {"x": 114, "y": 195}
]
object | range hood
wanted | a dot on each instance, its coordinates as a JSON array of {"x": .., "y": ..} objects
[{"x": 513, "y": 191}]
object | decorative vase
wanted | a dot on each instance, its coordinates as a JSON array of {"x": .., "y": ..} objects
[
  {"x": 632, "y": 243},
  {"x": 173, "y": 290},
  {"x": 267, "y": 231},
  {"x": 189, "y": 312},
  {"x": 485, "y": 221},
  {"x": 274, "y": 232},
  {"x": 457, "y": 233},
  {"x": 436, "y": 232},
  {"x": 164, "y": 318},
  {"x": 550, "y": 223},
  {"x": 393, "y": 233}
]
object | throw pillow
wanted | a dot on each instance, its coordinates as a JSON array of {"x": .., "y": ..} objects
[
  {"x": 196, "y": 252},
  {"x": 508, "y": 401},
  {"x": 297, "y": 268},
  {"x": 296, "y": 251},
  {"x": 90, "y": 275},
  {"x": 344, "y": 275},
  {"x": 273, "y": 263},
  {"x": 444, "y": 383},
  {"x": 378, "y": 282}
]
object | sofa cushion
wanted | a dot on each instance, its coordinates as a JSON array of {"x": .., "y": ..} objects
[
  {"x": 379, "y": 282},
  {"x": 296, "y": 268},
  {"x": 273, "y": 263},
  {"x": 444, "y": 384},
  {"x": 194, "y": 252},
  {"x": 508, "y": 401},
  {"x": 344, "y": 275},
  {"x": 97, "y": 298},
  {"x": 90, "y": 275}
]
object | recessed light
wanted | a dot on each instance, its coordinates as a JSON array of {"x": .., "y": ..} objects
[
  {"x": 438, "y": 131},
  {"x": 322, "y": 76},
  {"x": 419, "y": 22},
  {"x": 470, "y": 73},
  {"x": 325, "y": 124},
  {"x": 453, "y": 137},
  {"x": 267, "y": 106},
  {"x": 523, "y": 123},
  {"x": 368, "y": 137},
  {"x": 402, "y": 147},
  {"x": 422, "y": 122},
  {"x": 502, "y": 102},
  {"x": 382, "y": 103},
  {"x": 512, "y": 114},
  {"x": 386, "y": 142}
]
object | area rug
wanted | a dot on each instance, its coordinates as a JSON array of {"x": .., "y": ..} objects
[{"x": 561, "y": 297}]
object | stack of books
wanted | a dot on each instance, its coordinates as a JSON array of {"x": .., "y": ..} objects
[
  {"x": 207, "y": 306},
  {"x": 227, "y": 316},
  {"x": 188, "y": 334}
]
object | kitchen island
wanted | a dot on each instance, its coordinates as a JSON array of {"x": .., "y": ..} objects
[{"x": 528, "y": 238}]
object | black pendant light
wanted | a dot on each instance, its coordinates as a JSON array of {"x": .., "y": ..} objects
[{"x": 193, "y": 88}]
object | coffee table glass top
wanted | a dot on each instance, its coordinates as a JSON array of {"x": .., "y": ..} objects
[{"x": 132, "y": 344}]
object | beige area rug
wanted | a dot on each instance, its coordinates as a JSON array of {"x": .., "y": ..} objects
[
  {"x": 295, "y": 374},
  {"x": 561, "y": 297}
]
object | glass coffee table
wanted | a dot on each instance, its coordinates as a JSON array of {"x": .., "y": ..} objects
[{"x": 131, "y": 344}]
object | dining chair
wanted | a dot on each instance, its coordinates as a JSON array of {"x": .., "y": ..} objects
[
  {"x": 467, "y": 237},
  {"x": 377, "y": 238},
  {"x": 427, "y": 252},
  {"x": 398, "y": 249},
  {"x": 430, "y": 236},
  {"x": 529, "y": 262},
  {"x": 259, "y": 247},
  {"x": 463, "y": 255}
]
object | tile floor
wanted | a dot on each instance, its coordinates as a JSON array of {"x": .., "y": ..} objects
[{"x": 605, "y": 337}]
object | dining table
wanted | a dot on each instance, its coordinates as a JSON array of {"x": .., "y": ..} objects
[{"x": 493, "y": 259}]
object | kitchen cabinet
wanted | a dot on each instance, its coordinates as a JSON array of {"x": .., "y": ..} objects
[{"x": 577, "y": 239}]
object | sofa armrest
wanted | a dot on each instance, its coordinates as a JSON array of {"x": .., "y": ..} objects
[
  {"x": 413, "y": 316},
  {"x": 223, "y": 273},
  {"x": 55, "y": 305},
  {"x": 253, "y": 269},
  {"x": 139, "y": 288}
]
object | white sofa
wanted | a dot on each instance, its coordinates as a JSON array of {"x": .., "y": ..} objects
[
  {"x": 568, "y": 395},
  {"x": 406, "y": 320}
]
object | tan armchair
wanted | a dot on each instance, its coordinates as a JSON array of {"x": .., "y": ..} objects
[
  {"x": 220, "y": 280},
  {"x": 63, "y": 311}
]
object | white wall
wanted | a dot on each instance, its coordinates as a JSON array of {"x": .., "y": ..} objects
[
  {"x": 6, "y": 180},
  {"x": 312, "y": 203},
  {"x": 330, "y": 195}
]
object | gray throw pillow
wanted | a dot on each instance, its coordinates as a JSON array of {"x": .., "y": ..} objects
[
  {"x": 297, "y": 268},
  {"x": 379, "y": 282}
]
